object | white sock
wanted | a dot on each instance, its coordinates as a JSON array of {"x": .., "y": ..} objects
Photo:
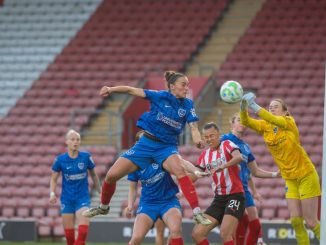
[
  {"x": 196, "y": 210},
  {"x": 104, "y": 206}
]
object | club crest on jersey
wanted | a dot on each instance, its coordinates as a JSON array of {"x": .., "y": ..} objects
[
  {"x": 181, "y": 112},
  {"x": 130, "y": 152},
  {"x": 155, "y": 165},
  {"x": 81, "y": 165},
  {"x": 275, "y": 130}
]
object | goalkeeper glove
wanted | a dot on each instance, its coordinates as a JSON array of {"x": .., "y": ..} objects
[{"x": 250, "y": 99}]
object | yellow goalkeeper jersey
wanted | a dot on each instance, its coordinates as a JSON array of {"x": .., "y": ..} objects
[{"x": 281, "y": 135}]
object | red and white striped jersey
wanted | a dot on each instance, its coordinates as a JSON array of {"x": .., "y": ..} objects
[{"x": 227, "y": 181}]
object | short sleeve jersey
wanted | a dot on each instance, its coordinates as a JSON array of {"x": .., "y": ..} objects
[
  {"x": 228, "y": 180},
  {"x": 74, "y": 175},
  {"x": 167, "y": 116},
  {"x": 157, "y": 184},
  {"x": 246, "y": 154}
]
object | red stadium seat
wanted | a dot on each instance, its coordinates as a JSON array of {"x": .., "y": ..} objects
[
  {"x": 283, "y": 213},
  {"x": 268, "y": 213}
]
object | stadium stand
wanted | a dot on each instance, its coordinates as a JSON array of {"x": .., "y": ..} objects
[{"x": 55, "y": 55}]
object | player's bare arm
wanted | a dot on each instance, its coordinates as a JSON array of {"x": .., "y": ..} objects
[
  {"x": 106, "y": 91},
  {"x": 196, "y": 137},
  {"x": 261, "y": 173},
  {"x": 132, "y": 195},
  {"x": 236, "y": 159},
  {"x": 193, "y": 170},
  {"x": 96, "y": 180},
  {"x": 53, "y": 184}
]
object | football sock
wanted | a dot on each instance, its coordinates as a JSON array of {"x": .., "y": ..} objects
[
  {"x": 82, "y": 235},
  {"x": 107, "y": 192},
  {"x": 242, "y": 229},
  {"x": 301, "y": 233},
  {"x": 260, "y": 235},
  {"x": 70, "y": 236},
  {"x": 176, "y": 241},
  {"x": 229, "y": 243},
  {"x": 189, "y": 192},
  {"x": 253, "y": 233},
  {"x": 316, "y": 230},
  {"x": 203, "y": 242}
]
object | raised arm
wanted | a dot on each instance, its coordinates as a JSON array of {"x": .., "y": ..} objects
[
  {"x": 106, "y": 91},
  {"x": 96, "y": 180},
  {"x": 248, "y": 100}
]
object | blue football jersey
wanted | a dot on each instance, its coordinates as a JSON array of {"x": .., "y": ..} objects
[
  {"x": 157, "y": 184},
  {"x": 74, "y": 175},
  {"x": 167, "y": 116},
  {"x": 246, "y": 154}
]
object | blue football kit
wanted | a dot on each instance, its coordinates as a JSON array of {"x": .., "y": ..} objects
[
  {"x": 167, "y": 116},
  {"x": 245, "y": 171},
  {"x": 158, "y": 193},
  {"x": 75, "y": 193},
  {"x": 164, "y": 122}
]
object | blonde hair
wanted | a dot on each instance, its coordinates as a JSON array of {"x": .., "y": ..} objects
[
  {"x": 234, "y": 116},
  {"x": 70, "y": 132}
]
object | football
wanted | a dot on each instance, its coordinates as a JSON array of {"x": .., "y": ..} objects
[{"x": 231, "y": 92}]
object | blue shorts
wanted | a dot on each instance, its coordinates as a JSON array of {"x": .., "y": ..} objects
[
  {"x": 147, "y": 151},
  {"x": 71, "y": 207},
  {"x": 157, "y": 210},
  {"x": 249, "y": 200}
]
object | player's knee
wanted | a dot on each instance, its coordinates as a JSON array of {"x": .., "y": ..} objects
[
  {"x": 196, "y": 235},
  {"x": 225, "y": 234},
  {"x": 311, "y": 222},
  {"x": 110, "y": 178},
  {"x": 175, "y": 233},
  {"x": 135, "y": 240}
]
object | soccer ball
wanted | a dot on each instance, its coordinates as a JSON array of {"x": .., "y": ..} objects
[{"x": 231, "y": 92}]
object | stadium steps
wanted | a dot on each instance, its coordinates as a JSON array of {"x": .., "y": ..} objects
[
  {"x": 120, "y": 195},
  {"x": 236, "y": 20},
  {"x": 224, "y": 120},
  {"x": 104, "y": 122}
]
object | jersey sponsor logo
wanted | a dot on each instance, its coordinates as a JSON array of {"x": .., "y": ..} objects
[
  {"x": 275, "y": 130},
  {"x": 154, "y": 179},
  {"x": 81, "y": 165},
  {"x": 168, "y": 121},
  {"x": 155, "y": 165},
  {"x": 75, "y": 176},
  {"x": 181, "y": 112},
  {"x": 167, "y": 106},
  {"x": 68, "y": 168}
]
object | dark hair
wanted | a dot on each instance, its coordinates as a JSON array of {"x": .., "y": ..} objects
[
  {"x": 284, "y": 106},
  {"x": 211, "y": 125},
  {"x": 172, "y": 76}
]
